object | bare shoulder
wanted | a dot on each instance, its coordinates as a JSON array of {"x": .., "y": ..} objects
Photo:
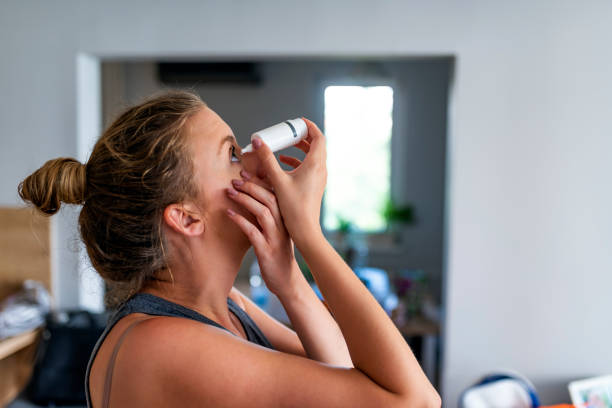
[{"x": 170, "y": 361}]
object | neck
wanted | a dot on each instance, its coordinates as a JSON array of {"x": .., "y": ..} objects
[{"x": 200, "y": 277}]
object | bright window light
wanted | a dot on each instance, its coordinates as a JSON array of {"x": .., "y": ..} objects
[{"x": 358, "y": 123}]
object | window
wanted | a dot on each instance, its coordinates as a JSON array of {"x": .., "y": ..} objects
[{"x": 358, "y": 122}]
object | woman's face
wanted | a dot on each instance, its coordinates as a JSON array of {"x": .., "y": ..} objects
[{"x": 217, "y": 160}]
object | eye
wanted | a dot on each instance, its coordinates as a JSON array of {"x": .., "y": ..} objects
[{"x": 233, "y": 150}]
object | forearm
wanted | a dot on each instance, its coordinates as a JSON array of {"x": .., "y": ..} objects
[
  {"x": 376, "y": 346},
  {"x": 314, "y": 325}
]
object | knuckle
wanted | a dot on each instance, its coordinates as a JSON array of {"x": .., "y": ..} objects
[
  {"x": 266, "y": 213},
  {"x": 259, "y": 212},
  {"x": 251, "y": 232},
  {"x": 272, "y": 201}
]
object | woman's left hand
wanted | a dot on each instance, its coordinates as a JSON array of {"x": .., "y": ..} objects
[{"x": 272, "y": 244}]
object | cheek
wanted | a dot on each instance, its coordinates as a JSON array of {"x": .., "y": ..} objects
[
  {"x": 213, "y": 199},
  {"x": 220, "y": 201}
]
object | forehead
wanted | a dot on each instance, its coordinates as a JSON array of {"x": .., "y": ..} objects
[{"x": 207, "y": 126}]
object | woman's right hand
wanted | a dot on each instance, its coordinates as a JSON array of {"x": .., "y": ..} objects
[{"x": 299, "y": 192}]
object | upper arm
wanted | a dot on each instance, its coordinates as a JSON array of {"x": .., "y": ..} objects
[
  {"x": 282, "y": 338},
  {"x": 206, "y": 366}
]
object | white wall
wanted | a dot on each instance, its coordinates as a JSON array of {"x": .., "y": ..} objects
[{"x": 529, "y": 229}]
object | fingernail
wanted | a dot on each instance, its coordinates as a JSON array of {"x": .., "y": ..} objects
[
  {"x": 237, "y": 183},
  {"x": 230, "y": 212},
  {"x": 231, "y": 191},
  {"x": 256, "y": 143},
  {"x": 245, "y": 174}
]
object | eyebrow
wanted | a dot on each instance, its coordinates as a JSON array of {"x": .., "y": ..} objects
[{"x": 228, "y": 138}]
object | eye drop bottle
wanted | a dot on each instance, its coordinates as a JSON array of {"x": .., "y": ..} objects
[{"x": 281, "y": 136}]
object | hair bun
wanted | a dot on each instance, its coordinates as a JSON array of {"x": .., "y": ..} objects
[{"x": 58, "y": 180}]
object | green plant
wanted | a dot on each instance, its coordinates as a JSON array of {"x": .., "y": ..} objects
[
  {"x": 393, "y": 213},
  {"x": 345, "y": 226}
]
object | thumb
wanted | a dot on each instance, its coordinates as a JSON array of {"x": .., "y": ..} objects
[{"x": 271, "y": 169}]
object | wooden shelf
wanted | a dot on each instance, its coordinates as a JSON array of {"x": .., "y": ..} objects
[{"x": 11, "y": 345}]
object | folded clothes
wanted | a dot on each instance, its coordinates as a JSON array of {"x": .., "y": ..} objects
[{"x": 24, "y": 310}]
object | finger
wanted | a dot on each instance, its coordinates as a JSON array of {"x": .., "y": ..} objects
[
  {"x": 269, "y": 166},
  {"x": 313, "y": 130},
  {"x": 303, "y": 145},
  {"x": 257, "y": 180},
  {"x": 308, "y": 137},
  {"x": 261, "y": 212},
  {"x": 261, "y": 194},
  {"x": 251, "y": 231},
  {"x": 261, "y": 173},
  {"x": 291, "y": 161},
  {"x": 316, "y": 138},
  {"x": 314, "y": 133}
]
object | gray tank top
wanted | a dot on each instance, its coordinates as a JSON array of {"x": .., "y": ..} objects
[{"x": 156, "y": 306}]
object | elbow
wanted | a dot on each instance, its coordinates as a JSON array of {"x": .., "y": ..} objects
[
  {"x": 434, "y": 401},
  {"x": 431, "y": 400}
]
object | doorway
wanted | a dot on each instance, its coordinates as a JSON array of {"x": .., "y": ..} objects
[{"x": 254, "y": 94}]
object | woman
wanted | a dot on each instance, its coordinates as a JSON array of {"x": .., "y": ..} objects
[{"x": 170, "y": 206}]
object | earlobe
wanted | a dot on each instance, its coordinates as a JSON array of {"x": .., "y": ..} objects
[{"x": 183, "y": 221}]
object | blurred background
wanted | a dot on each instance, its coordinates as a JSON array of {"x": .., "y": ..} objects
[{"x": 469, "y": 158}]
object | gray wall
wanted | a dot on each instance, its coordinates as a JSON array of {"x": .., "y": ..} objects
[
  {"x": 529, "y": 228},
  {"x": 295, "y": 88}
]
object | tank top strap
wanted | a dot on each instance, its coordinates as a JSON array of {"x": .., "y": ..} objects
[
  {"x": 111, "y": 364},
  {"x": 253, "y": 332},
  {"x": 156, "y": 306}
]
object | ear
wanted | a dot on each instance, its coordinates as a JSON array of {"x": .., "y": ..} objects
[{"x": 184, "y": 219}]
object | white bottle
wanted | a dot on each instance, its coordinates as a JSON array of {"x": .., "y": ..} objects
[{"x": 281, "y": 136}]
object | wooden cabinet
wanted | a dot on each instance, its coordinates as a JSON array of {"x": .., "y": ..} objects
[
  {"x": 16, "y": 363},
  {"x": 25, "y": 245}
]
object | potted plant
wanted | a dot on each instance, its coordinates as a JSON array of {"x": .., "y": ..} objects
[{"x": 396, "y": 216}]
